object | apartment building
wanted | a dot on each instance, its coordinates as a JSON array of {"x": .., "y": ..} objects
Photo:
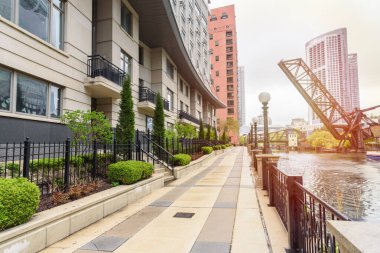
[
  {"x": 58, "y": 56},
  {"x": 224, "y": 63},
  {"x": 241, "y": 95}
]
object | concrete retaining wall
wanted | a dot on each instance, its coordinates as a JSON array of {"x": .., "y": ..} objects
[{"x": 50, "y": 226}]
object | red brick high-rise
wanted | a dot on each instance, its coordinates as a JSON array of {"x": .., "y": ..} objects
[{"x": 224, "y": 64}]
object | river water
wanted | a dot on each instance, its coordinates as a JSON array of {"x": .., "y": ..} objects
[{"x": 349, "y": 182}]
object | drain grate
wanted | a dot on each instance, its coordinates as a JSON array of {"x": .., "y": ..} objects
[{"x": 184, "y": 215}]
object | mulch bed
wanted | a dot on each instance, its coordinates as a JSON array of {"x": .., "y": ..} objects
[
  {"x": 75, "y": 192},
  {"x": 196, "y": 156}
]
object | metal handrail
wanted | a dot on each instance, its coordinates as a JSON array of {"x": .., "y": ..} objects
[
  {"x": 184, "y": 115},
  {"x": 99, "y": 66}
]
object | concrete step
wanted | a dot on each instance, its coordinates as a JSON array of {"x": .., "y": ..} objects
[
  {"x": 159, "y": 170},
  {"x": 168, "y": 179}
]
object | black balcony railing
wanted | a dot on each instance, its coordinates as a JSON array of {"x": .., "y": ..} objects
[
  {"x": 185, "y": 115},
  {"x": 146, "y": 94},
  {"x": 99, "y": 66}
]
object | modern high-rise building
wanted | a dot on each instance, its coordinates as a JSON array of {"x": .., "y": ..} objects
[
  {"x": 224, "y": 63},
  {"x": 354, "y": 80},
  {"x": 327, "y": 56},
  {"x": 63, "y": 55}
]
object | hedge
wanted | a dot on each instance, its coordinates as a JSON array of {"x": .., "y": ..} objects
[
  {"x": 19, "y": 200},
  {"x": 182, "y": 159},
  {"x": 207, "y": 150},
  {"x": 129, "y": 172}
]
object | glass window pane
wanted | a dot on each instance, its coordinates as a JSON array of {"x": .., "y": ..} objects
[
  {"x": 5, "y": 89},
  {"x": 55, "y": 102},
  {"x": 31, "y": 96},
  {"x": 58, "y": 3},
  {"x": 6, "y": 9},
  {"x": 126, "y": 63},
  {"x": 34, "y": 17},
  {"x": 126, "y": 19},
  {"x": 56, "y": 32}
]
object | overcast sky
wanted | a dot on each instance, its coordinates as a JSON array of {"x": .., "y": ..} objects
[{"x": 271, "y": 30}]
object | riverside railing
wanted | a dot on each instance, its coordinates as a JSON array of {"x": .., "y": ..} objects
[{"x": 302, "y": 212}]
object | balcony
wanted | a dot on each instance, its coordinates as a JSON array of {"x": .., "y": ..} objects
[
  {"x": 187, "y": 117},
  {"x": 104, "y": 79},
  {"x": 147, "y": 101}
]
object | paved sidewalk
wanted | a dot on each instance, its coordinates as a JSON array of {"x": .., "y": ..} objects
[{"x": 213, "y": 210}]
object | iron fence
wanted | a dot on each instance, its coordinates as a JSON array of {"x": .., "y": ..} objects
[
  {"x": 100, "y": 66},
  {"x": 302, "y": 212},
  {"x": 146, "y": 94}
]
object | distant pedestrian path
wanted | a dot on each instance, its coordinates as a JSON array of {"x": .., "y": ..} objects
[{"x": 213, "y": 210}]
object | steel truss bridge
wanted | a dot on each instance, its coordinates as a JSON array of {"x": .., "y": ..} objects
[
  {"x": 282, "y": 135},
  {"x": 354, "y": 126}
]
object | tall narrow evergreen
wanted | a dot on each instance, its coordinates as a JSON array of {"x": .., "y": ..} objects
[
  {"x": 125, "y": 129},
  {"x": 208, "y": 135},
  {"x": 215, "y": 134},
  {"x": 201, "y": 134},
  {"x": 158, "y": 120}
]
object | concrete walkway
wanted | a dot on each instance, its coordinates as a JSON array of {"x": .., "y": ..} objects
[{"x": 213, "y": 210}]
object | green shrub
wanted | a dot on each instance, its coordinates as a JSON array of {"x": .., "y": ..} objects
[
  {"x": 129, "y": 172},
  {"x": 46, "y": 163},
  {"x": 217, "y": 147},
  {"x": 182, "y": 159},
  {"x": 223, "y": 146},
  {"x": 101, "y": 158},
  {"x": 19, "y": 200},
  {"x": 13, "y": 167},
  {"x": 207, "y": 150}
]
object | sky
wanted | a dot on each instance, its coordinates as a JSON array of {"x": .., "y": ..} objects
[{"x": 271, "y": 30}]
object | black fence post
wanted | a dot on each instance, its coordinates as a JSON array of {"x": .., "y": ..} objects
[
  {"x": 114, "y": 149},
  {"x": 67, "y": 165},
  {"x": 294, "y": 212},
  {"x": 94, "y": 160},
  {"x": 139, "y": 150},
  {"x": 159, "y": 149},
  {"x": 25, "y": 171}
]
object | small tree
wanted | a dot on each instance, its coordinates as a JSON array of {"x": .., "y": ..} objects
[
  {"x": 185, "y": 130},
  {"x": 88, "y": 126},
  {"x": 125, "y": 128},
  {"x": 224, "y": 137},
  {"x": 208, "y": 135},
  {"x": 158, "y": 121},
  {"x": 201, "y": 134},
  {"x": 215, "y": 134}
]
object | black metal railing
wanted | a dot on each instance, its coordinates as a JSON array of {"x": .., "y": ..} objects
[
  {"x": 146, "y": 94},
  {"x": 100, "y": 66},
  {"x": 187, "y": 116},
  {"x": 303, "y": 213}
]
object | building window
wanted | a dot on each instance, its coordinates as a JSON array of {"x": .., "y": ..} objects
[
  {"x": 217, "y": 88},
  {"x": 217, "y": 73},
  {"x": 230, "y": 95},
  {"x": 181, "y": 85},
  {"x": 199, "y": 99},
  {"x": 229, "y": 42},
  {"x": 230, "y": 72},
  {"x": 149, "y": 123},
  {"x": 31, "y": 96},
  {"x": 5, "y": 89},
  {"x": 224, "y": 15},
  {"x": 229, "y": 49},
  {"x": 216, "y": 43},
  {"x": 141, "y": 55},
  {"x": 55, "y": 101},
  {"x": 230, "y": 64},
  {"x": 170, "y": 97},
  {"x": 187, "y": 91},
  {"x": 230, "y": 102},
  {"x": 230, "y": 87},
  {"x": 126, "y": 63},
  {"x": 230, "y": 79},
  {"x": 229, "y": 57},
  {"x": 211, "y": 36},
  {"x": 217, "y": 58},
  {"x": 213, "y": 18},
  {"x": 199, "y": 115},
  {"x": 126, "y": 19},
  {"x": 181, "y": 105},
  {"x": 230, "y": 110},
  {"x": 43, "y": 18},
  {"x": 141, "y": 82},
  {"x": 229, "y": 34},
  {"x": 169, "y": 69},
  {"x": 212, "y": 66}
]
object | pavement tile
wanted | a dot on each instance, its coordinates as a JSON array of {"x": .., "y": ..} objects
[
  {"x": 225, "y": 205},
  {"x": 163, "y": 203},
  {"x": 211, "y": 247},
  {"x": 105, "y": 243}
]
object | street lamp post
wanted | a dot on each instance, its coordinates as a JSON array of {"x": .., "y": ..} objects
[
  {"x": 264, "y": 98},
  {"x": 254, "y": 120}
]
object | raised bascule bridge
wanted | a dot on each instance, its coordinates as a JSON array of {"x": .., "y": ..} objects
[{"x": 354, "y": 126}]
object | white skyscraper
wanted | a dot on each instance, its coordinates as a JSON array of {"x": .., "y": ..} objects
[
  {"x": 354, "y": 80},
  {"x": 241, "y": 95},
  {"x": 327, "y": 55}
]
